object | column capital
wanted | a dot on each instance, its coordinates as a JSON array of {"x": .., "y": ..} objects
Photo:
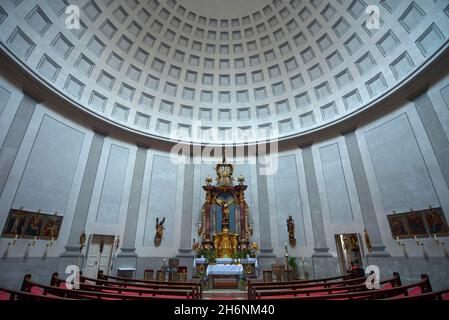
[
  {"x": 348, "y": 130},
  {"x": 419, "y": 93},
  {"x": 143, "y": 145},
  {"x": 305, "y": 144},
  {"x": 100, "y": 131}
]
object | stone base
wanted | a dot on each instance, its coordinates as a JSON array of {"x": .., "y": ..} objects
[{"x": 325, "y": 266}]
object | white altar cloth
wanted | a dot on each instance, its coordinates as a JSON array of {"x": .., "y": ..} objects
[
  {"x": 224, "y": 269},
  {"x": 226, "y": 261}
]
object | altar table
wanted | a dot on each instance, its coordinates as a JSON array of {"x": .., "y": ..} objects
[{"x": 223, "y": 272}]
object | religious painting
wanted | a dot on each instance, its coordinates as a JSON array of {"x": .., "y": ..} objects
[
  {"x": 398, "y": 226},
  {"x": 51, "y": 228},
  {"x": 421, "y": 223},
  {"x": 15, "y": 223},
  {"x": 436, "y": 222},
  {"x": 34, "y": 226},
  {"x": 29, "y": 224},
  {"x": 416, "y": 224}
]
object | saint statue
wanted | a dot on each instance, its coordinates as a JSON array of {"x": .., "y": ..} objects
[
  {"x": 291, "y": 231},
  {"x": 159, "y": 231}
]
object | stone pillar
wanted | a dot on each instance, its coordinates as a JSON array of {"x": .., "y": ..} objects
[
  {"x": 127, "y": 256},
  {"x": 364, "y": 196},
  {"x": 266, "y": 256},
  {"x": 435, "y": 132},
  {"x": 84, "y": 197},
  {"x": 319, "y": 234},
  {"x": 185, "y": 254},
  {"x": 324, "y": 264},
  {"x": 14, "y": 137},
  {"x": 185, "y": 250}
]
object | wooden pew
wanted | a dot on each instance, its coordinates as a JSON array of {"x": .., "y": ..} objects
[
  {"x": 257, "y": 283},
  {"x": 422, "y": 286},
  {"x": 9, "y": 294},
  {"x": 342, "y": 287},
  {"x": 319, "y": 283},
  {"x": 174, "y": 291},
  {"x": 433, "y": 295},
  {"x": 36, "y": 288},
  {"x": 129, "y": 281}
]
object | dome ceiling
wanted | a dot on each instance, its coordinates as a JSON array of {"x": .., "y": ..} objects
[
  {"x": 224, "y": 9},
  {"x": 165, "y": 69}
]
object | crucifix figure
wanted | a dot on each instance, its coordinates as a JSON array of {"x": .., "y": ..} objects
[{"x": 224, "y": 210}]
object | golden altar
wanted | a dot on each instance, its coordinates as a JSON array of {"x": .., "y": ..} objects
[{"x": 225, "y": 227}]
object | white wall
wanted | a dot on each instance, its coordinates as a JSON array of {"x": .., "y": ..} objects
[{"x": 402, "y": 170}]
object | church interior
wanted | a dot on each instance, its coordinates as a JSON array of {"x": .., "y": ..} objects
[{"x": 224, "y": 149}]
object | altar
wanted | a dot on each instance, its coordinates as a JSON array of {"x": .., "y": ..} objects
[
  {"x": 225, "y": 228},
  {"x": 219, "y": 275}
]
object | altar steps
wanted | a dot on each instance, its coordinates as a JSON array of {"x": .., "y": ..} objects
[{"x": 225, "y": 294}]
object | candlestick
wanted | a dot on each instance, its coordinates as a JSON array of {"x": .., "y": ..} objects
[
  {"x": 418, "y": 243},
  {"x": 13, "y": 243},
  {"x": 438, "y": 241},
  {"x": 399, "y": 242}
]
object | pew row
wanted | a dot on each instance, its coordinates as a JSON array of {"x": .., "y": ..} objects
[
  {"x": 355, "y": 285},
  {"x": 40, "y": 289},
  {"x": 328, "y": 283},
  {"x": 184, "y": 291},
  {"x": 11, "y": 295},
  {"x": 414, "y": 289}
]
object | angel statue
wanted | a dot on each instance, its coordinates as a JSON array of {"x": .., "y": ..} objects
[
  {"x": 159, "y": 231},
  {"x": 224, "y": 208}
]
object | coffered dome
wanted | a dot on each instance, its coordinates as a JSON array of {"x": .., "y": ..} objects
[{"x": 221, "y": 71}]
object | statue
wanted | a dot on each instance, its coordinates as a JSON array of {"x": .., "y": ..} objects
[
  {"x": 291, "y": 231},
  {"x": 224, "y": 209},
  {"x": 159, "y": 232}
]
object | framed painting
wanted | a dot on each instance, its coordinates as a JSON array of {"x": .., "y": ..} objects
[
  {"x": 51, "y": 227},
  {"x": 15, "y": 223},
  {"x": 27, "y": 224},
  {"x": 415, "y": 224},
  {"x": 436, "y": 222},
  {"x": 34, "y": 224},
  {"x": 398, "y": 226}
]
